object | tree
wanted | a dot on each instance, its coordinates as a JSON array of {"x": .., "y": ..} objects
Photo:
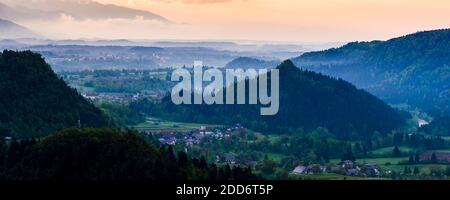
[
  {"x": 358, "y": 149},
  {"x": 417, "y": 158},
  {"x": 416, "y": 171},
  {"x": 182, "y": 159},
  {"x": 281, "y": 174},
  {"x": 348, "y": 155},
  {"x": 411, "y": 159},
  {"x": 407, "y": 170},
  {"x": 396, "y": 152},
  {"x": 268, "y": 166},
  {"x": 106, "y": 155},
  {"x": 447, "y": 170},
  {"x": 434, "y": 158}
]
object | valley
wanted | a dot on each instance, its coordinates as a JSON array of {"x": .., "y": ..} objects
[{"x": 327, "y": 128}]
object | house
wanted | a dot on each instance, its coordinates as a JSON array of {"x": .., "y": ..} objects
[
  {"x": 299, "y": 169},
  {"x": 91, "y": 95},
  {"x": 347, "y": 164},
  {"x": 310, "y": 169},
  {"x": 371, "y": 170},
  {"x": 168, "y": 140},
  {"x": 442, "y": 156},
  {"x": 352, "y": 172},
  {"x": 251, "y": 163},
  {"x": 230, "y": 158}
]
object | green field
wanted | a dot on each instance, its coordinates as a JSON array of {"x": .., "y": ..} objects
[
  {"x": 394, "y": 166},
  {"x": 378, "y": 161},
  {"x": 159, "y": 125},
  {"x": 275, "y": 156},
  {"x": 82, "y": 88},
  {"x": 327, "y": 176},
  {"x": 388, "y": 151}
]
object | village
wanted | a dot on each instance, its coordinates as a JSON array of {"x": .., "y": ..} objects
[
  {"x": 194, "y": 136},
  {"x": 204, "y": 133},
  {"x": 347, "y": 168}
]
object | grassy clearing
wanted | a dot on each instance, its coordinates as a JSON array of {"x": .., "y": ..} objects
[
  {"x": 394, "y": 166},
  {"x": 327, "y": 176},
  {"x": 378, "y": 161},
  {"x": 275, "y": 156},
  {"x": 388, "y": 151},
  {"x": 158, "y": 125}
]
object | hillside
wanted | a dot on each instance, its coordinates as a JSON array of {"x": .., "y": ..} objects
[
  {"x": 247, "y": 62},
  {"x": 439, "y": 126},
  {"x": 11, "y": 30},
  {"x": 113, "y": 155},
  {"x": 413, "y": 69},
  {"x": 307, "y": 100},
  {"x": 36, "y": 102}
]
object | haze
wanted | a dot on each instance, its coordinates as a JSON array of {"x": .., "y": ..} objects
[{"x": 269, "y": 20}]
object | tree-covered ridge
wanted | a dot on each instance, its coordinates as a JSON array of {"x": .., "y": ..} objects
[
  {"x": 307, "y": 100},
  {"x": 413, "y": 69},
  {"x": 439, "y": 126},
  {"x": 105, "y": 155},
  {"x": 36, "y": 102},
  {"x": 247, "y": 62}
]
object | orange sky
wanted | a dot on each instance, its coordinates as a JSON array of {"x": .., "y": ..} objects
[{"x": 288, "y": 20}]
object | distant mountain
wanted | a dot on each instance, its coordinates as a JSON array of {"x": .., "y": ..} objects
[
  {"x": 21, "y": 13},
  {"x": 307, "y": 101},
  {"x": 79, "y": 10},
  {"x": 246, "y": 62},
  {"x": 35, "y": 102},
  {"x": 414, "y": 69},
  {"x": 11, "y": 30}
]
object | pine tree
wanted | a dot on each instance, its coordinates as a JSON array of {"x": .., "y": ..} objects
[
  {"x": 411, "y": 159},
  {"x": 396, "y": 152},
  {"x": 417, "y": 158},
  {"x": 416, "y": 171},
  {"x": 434, "y": 158}
]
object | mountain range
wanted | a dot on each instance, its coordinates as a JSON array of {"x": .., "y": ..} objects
[
  {"x": 413, "y": 69},
  {"x": 79, "y": 10},
  {"x": 11, "y": 30}
]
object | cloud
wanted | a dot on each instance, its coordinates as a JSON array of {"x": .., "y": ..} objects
[
  {"x": 195, "y": 1},
  {"x": 67, "y": 27}
]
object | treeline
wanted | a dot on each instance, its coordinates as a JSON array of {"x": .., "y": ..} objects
[
  {"x": 35, "y": 102},
  {"x": 307, "y": 100},
  {"x": 129, "y": 85},
  {"x": 105, "y": 154},
  {"x": 420, "y": 141},
  {"x": 120, "y": 114}
]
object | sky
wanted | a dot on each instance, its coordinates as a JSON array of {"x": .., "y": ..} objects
[{"x": 269, "y": 20}]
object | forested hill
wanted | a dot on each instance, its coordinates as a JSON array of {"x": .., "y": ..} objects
[
  {"x": 307, "y": 100},
  {"x": 35, "y": 102},
  {"x": 106, "y": 155},
  {"x": 413, "y": 69}
]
